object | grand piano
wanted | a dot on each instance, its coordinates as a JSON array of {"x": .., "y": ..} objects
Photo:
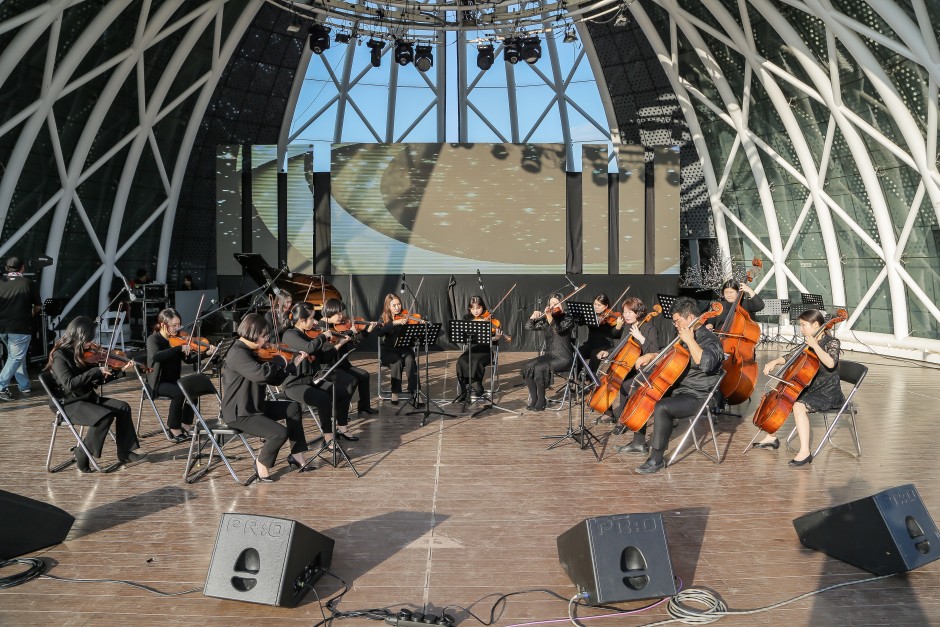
[{"x": 311, "y": 288}]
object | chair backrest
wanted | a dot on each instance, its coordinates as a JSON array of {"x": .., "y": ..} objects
[
  {"x": 112, "y": 320},
  {"x": 53, "y": 389},
  {"x": 195, "y": 385},
  {"x": 852, "y": 372}
]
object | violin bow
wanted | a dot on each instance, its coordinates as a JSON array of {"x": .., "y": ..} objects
[
  {"x": 619, "y": 298},
  {"x": 502, "y": 299},
  {"x": 414, "y": 297}
]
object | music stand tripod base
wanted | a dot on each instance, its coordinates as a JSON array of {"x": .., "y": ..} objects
[
  {"x": 337, "y": 448},
  {"x": 582, "y": 435},
  {"x": 413, "y": 336}
]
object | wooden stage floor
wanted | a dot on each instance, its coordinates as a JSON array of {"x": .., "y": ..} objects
[{"x": 461, "y": 510}]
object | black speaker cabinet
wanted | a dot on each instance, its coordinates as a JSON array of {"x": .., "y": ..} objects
[
  {"x": 888, "y": 532},
  {"x": 618, "y": 558},
  {"x": 27, "y": 525},
  {"x": 259, "y": 559}
]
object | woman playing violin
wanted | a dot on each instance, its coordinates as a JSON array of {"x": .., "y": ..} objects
[
  {"x": 559, "y": 350},
  {"x": 632, "y": 313},
  {"x": 167, "y": 363},
  {"x": 468, "y": 380},
  {"x": 822, "y": 394},
  {"x": 280, "y": 312},
  {"x": 751, "y": 302},
  {"x": 604, "y": 336},
  {"x": 244, "y": 377},
  {"x": 397, "y": 360},
  {"x": 693, "y": 385},
  {"x": 350, "y": 376},
  {"x": 78, "y": 378},
  {"x": 299, "y": 387}
]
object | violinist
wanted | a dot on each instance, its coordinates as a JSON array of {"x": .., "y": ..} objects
[
  {"x": 632, "y": 313},
  {"x": 334, "y": 313},
  {"x": 558, "y": 329},
  {"x": 482, "y": 355},
  {"x": 280, "y": 311},
  {"x": 751, "y": 302},
  {"x": 167, "y": 363},
  {"x": 78, "y": 378},
  {"x": 397, "y": 360},
  {"x": 244, "y": 407},
  {"x": 822, "y": 394},
  {"x": 299, "y": 387},
  {"x": 693, "y": 385},
  {"x": 604, "y": 336}
]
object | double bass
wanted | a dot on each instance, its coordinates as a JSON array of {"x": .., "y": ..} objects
[
  {"x": 616, "y": 366},
  {"x": 739, "y": 337},
  {"x": 660, "y": 376},
  {"x": 792, "y": 377}
]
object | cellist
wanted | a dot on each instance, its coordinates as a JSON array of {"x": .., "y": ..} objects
[
  {"x": 752, "y": 303},
  {"x": 692, "y": 387},
  {"x": 822, "y": 394}
]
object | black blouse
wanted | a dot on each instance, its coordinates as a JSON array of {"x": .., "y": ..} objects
[
  {"x": 166, "y": 361},
  {"x": 557, "y": 335},
  {"x": 244, "y": 378}
]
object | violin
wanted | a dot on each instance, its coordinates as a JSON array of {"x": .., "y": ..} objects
[
  {"x": 664, "y": 371},
  {"x": 357, "y": 323},
  {"x": 413, "y": 318},
  {"x": 486, "y": 315},
  {"x": 270, "y": 351},
  {"x": 617, "y": 366},
  {"x": 337, "y": 337},
  {"x": 609, "y": 316},
  {"x": 792, "y": 377},
  {"x": 739, "y": 337},
  {"x": 114, "y": 359},
  {"x": 182, "y": 338},
  {"x": 557, "y": 311}
]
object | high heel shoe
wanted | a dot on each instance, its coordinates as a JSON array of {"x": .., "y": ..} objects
[
  {"x": 806, "y": 460},
  {"x": 293, "y": 463},
  {"x": 345, "y": 436},
  {"x": 261, "y": 479},
  {"x": 774, "y": 445}
]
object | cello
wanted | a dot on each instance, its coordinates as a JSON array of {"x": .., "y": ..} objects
[
  {"x": 663, "y": 372},
  {"x": 793, "y": 377},
  {"x": 617, "y": 366},
  {"x": 739, "y": 337}
]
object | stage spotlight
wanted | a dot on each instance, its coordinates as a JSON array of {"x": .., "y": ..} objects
[
  {"x": 404, "y": 52},
  {"x": 511, "y": 51},
  {"x": 319, "y": 39},
  {"x": 341, "y": 38},
  {"x": 570, "y": 36},
  {"x": 424, "y": 59},
  {"x": 375, "y": 46},
  {"x": 531, "y": 50},
  {"x": 485, "y": 56}
]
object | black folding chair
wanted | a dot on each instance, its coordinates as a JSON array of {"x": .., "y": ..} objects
[
  {"x": 853, "y": 373},
  {"x": 152, "y": 397},
  {"x": 704, "y": 412}
]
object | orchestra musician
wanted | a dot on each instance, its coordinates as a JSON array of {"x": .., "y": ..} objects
[
  {"x": 79, "y": 379},
  {"x": 283, "y": 302},
  {"x": 397, "y": 360},
  {"x": 824, "y": 392},
  {"x": 604, "y": 336},
  {"x": 481, "y": 355},
  {"x": 558, "y": 329},
  {"x": 751, "y": 302},
  {"x": 167, "y": 363},
  {"x": 244, "y": 376},
  {"x": 692, "y": 387},
  {"x": 351, "y": 377}
]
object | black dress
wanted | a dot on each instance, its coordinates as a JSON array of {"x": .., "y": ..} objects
[
  {"x": 482, "y": 357},
  {"x": 824, "y": 392},
  {"x": 603, "y": 337},
  {"x": 398, "y": 360},
  {"x": 167, "y": 363},
  {"x": 559, "y": 352},
  {"x": 85, "y": 407}
]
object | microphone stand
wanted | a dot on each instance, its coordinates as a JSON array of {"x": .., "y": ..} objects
[{"x": 338, "y": 450}]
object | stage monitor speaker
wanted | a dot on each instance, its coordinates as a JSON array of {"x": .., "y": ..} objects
[
  {"x": 618, "y": 558},
  {"x": 259, "y": 559},
  {"x": 889, "y": 532},
  {"x": 27, "y": 525}
]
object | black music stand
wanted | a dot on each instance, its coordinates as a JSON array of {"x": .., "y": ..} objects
[
  {"x": 582, "y": 435},
  {"x": 467, "y": 334},
  {"x": 583, "y": 313},
  {"x": 338, "y": 450},
  {"x": 773, "y": 309},
  {"x": 666, "y": 302},
  {"x": 414, "y": 336}
]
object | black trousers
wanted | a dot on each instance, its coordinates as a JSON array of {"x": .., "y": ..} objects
[
  {"x": 120, "y": 414},
  {"x": 400, "y": 361},
  {"x": 180, "y": 413},
  {"x": 668, "y": 409},
  {"x": 266, "y": 426},
  {"x": 316, "y": 397},
  {"x": 360, "y": 381},
  {"x": 481, "y": 359}
]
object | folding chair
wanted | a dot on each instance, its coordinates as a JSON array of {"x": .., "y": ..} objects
[
  {"x": 51, "y": 386},
  {"x": 194, "y": 387},
  {"x": 571, "y": 379},
  {"x": 704, "y": 411},
  {"x": 384, "y": 395},
  {"x": 152, "y": 397},
  {"x": 853, "y": 373},
  {"x": 112, "y": 324}
]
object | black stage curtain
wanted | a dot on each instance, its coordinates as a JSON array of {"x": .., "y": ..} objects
[{"x": 321, "y": 222}]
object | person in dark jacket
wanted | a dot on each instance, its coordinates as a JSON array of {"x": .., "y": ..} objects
[
  {"x": 691, "y": 388},
  {"x": 19, "y": 304},
  {"x": 480, "y": 354},
  {"x": 398, "y": 360},
  {"x": 244, "y": 377},
  {"x": 167, "y": 363},
  {"x": 603, "y": 337},
  {"x": 751, "y": 302},
  {"x": 79, "y": 379},
  {"x": 557, "y": 328},
  {"x": 352, "y": 377}
]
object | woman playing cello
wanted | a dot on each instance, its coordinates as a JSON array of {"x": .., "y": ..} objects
[
  {"x": 751, "y": 302},
  {"x": 398, "y": 361},
  {"x": 481, "y": 355},
  {"x": 823, "y": 393},
  {"x": 559, "y": 351}
]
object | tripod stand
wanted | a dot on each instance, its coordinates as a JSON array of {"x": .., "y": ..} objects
[
  {"x": 582, "y": 435},
  {"x": 415, "y": 335},
  {"x": 337, "y": 448}
]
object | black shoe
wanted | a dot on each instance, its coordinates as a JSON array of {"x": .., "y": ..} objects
[
  {"x": 133, "y": 458},
  {"x": 477, "y": 388},
  {"x": 345, "y": 436},
  {"x": 634, "y": 447},
  {"x": 774, "y": 445},
  {"x": 394, "y": 401},
  {"x": 292, "y": 462},
  {"x": 81, "y": 460},
  {"x": 259, "y": 479},
  {"x": 179, "y": 439},
  {"x": 462, "y": 397},
  {"x": 649, "y": 467},
  {"x": 187, "y": 432},
  {"x": 530, "y": 407},
  {"x": 367, "y": 410},
  {"x": 6, "y": 395},
  {"x": 806, "y": 460}
]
